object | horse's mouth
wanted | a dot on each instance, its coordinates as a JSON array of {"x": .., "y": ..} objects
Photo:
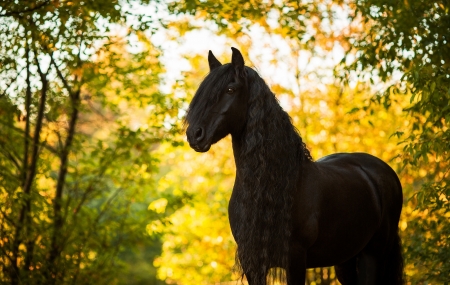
[
  {"x": 198, "y": 143},
  {"x": 201, "y": 148}
]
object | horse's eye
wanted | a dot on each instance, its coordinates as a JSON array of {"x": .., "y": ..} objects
[{"x": 230, "y": 90}]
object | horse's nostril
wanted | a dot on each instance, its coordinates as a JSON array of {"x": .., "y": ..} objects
[{"x": 198, "y": 134}]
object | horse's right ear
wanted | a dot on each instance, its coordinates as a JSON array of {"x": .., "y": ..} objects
[
  {"x": 237, "y": 60},
  {"x": 213, "y": 62}
]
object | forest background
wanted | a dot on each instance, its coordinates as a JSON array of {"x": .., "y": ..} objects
[{"x": 97, "y": 184}]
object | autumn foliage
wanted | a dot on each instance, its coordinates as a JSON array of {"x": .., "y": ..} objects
[{"x": 97, "y": 185}]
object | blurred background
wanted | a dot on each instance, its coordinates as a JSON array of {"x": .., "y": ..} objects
[{"x": 97, "y": 182}]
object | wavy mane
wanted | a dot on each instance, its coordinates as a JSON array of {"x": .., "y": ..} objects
[{"x": 271, "y": 156}]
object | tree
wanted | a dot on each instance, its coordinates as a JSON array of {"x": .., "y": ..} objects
[
  {"x": 412, "y": 37},
  {"x": 76, "y": 168}
]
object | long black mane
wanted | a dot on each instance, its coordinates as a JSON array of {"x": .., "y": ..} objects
[{"x": 268, "y": 166}]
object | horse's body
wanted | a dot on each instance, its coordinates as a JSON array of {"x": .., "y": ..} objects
[{"x": 287, "y": 211}]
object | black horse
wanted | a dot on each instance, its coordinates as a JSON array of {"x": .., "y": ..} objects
[{"x": 287, "y": 211}]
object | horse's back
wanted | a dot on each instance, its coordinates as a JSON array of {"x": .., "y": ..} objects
[
  {"x": 370, "y": 168},
  {"x": 358, "y": 196}
]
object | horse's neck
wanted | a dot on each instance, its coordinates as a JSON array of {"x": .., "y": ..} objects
[{"x": 237, "y": 150}]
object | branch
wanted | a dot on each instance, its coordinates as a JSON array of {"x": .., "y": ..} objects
[
  {"x": 55, "y": 247},
  {"x": 31, "y": 172},
  {"x": 92, "y": 228},
  {"x": 12, "y": 13},
  {"x": 6, "y": 254},
  {"x": 5, "y": 216},
  {"x": 27, "y": 118},
  {"x": 91, "y": 185},
  {"x": 41, "y": 144},
  {"x": 61, "y": 76},
  {"x": 29, "y": 245},
  {"x": 8, "y": 175},
  {"x": 89, "y": 189},
  {"x": 60, "y": 142},
  {"x": 12, "y": 158},
  {"x": 37, "y": 131}
]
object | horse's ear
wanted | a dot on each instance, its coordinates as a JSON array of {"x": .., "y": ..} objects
[
  {"x": 213, "y": 62},
  {"x": 237, "y": 60}
]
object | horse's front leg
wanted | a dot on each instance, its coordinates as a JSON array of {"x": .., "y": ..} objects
[
  {"x": 297, "y": 269},
  {"x": 367, "y": 269}
]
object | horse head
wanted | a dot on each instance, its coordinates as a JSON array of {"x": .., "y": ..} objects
[{"x": 219, "y": 106}]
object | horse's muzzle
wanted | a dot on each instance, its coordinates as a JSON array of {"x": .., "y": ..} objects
[{"x": 196, "y": 139}]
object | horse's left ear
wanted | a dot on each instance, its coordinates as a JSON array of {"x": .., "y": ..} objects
[
  {"x": 213, "y": 62},
  {"x": 237, "y": 61}
]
